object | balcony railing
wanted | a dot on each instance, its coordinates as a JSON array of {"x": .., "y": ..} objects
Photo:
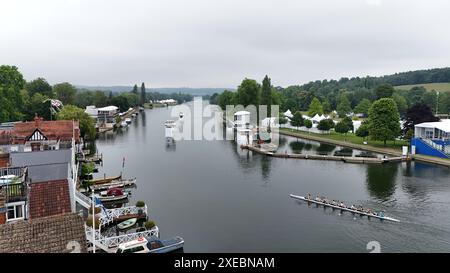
[{"x": 15, "y": 192}]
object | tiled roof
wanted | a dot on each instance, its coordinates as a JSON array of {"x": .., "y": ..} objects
[
  {"x": 54, "y": 130},
  {"x": 49, "y": 198},
  {"x": 4, "y": 160},
  {"x": 54, "y": 234}
]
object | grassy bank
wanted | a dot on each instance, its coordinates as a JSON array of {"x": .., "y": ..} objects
[{"x": 350, "y": 140}]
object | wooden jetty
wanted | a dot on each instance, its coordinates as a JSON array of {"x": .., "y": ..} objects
[{"x": 346, "y": 159}]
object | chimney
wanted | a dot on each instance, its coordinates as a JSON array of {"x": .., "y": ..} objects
[
  {"x": 2, "y": 206},
  {"x": 37, "y": 120}
]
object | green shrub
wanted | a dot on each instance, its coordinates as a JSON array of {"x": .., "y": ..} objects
[
  {"x": 150, "y": 224},
  {"x": 140, "y": 204},
  {"x": 89, "y": 222},
  {"x": 96, "y": 210}
]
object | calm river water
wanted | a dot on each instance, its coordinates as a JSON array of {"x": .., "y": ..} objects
[{"x": 221, "y": 199}]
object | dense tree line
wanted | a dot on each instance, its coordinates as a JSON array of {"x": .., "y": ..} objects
[{"x": 21, "y": 100}]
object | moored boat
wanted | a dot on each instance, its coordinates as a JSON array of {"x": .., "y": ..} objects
[
  {"x": 106, "y": 180},
  {"x": 114, "y": 184},
  {"x": 127, "y": 223},
  {"x": 151, "y": 245},
  {"x": 379, "y": 216},
  {"x": 111, "y": 195},
  {"x": 128, "y": 120}
]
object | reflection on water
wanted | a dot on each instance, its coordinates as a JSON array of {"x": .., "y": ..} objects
[
  {"x": 297, "y": 146},
  {"x": 325, "y": 149},
  {"x": 203, "y": 188},
  {"x": 381, "y": 179}
]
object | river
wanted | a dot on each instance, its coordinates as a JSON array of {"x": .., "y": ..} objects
[{"x": 221, "y": 199}]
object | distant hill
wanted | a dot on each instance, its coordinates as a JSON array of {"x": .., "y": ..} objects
[
  {"x": 163, "y": 90},
  {"x": 440, "y": 87}
]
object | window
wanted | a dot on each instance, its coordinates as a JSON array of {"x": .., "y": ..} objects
[
  {"x": 15, "y": 211},
  {"x": 428, "y": 134}
]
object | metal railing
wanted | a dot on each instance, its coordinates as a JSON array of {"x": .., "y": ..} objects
[
  {"x": 108, "y": 244},
  {"x": 439, "y": 147},
  {"x": 109, "y": 215},
  {"x": 15, "y": 191}
]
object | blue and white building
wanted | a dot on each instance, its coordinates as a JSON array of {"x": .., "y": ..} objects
[{"x": 432, "y": 138}]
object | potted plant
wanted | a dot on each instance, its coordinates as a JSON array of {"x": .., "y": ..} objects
[
  {"x": 140, "y": 205},
  {"x": 89, "y": 222},
  {"x": 97, "y": 210},
  {"x": 149, "y": 224}
]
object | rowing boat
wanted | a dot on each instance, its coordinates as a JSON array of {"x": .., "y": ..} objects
[
  {"x": 343, "y": 208},
  {"x": 127, "y": 223},
  {"x": 114, "y": 184}
]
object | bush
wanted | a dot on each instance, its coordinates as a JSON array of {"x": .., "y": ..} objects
[
  {"x": 89, "y": 222},
  {"x": 325, "y": 124},
  {"x": 97, "y": 210},
  {"x": 308, "y": 124},
  {"x": 140, "y": 204},
  {"x": 150, "y": 224}
]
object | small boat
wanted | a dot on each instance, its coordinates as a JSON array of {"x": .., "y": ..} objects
[
  {"x": 106, "y": 180},
  {"x": 111, "y": 195},
  {"x": 127, "y": 223},
  {"x": 114, "y": 184},
  {"x": 123, "y": 124},
  {"x": 381, "y": 217},
  {"x": 152, "y": 245},
  {"x": 181, "y": 115},
  {"x": 128, "y": 120}
]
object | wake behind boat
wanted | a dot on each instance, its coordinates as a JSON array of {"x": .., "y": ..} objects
[{"x": 341, "y": 206}]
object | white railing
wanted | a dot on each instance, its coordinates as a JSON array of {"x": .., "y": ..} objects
[
  {"x": 109, "y": 215},
  {"x": 445, "y": 149},
  {"x": 83, "y": 199},
  {"x": 109, "y": 243}
]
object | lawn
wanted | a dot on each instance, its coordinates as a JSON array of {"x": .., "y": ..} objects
[
  {"x": 440, "y": 87},
  {"x": 352, "y": 138}
]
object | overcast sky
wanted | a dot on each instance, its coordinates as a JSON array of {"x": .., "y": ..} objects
[{"x": 216, "y": 43}]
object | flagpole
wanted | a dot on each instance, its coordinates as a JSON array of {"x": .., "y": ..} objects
[{"x": 93, "y": 221}]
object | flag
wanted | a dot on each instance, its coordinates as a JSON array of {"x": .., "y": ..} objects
[{"x": 98, "y": 202}]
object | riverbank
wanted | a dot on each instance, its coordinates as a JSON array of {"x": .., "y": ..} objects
[{"x": 367, "y": 147}]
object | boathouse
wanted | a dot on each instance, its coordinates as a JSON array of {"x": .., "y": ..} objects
[{"x": 432, "y": 138}]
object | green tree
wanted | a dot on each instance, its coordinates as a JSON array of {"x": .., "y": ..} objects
[
  {"x": 348, "y": 122},
  {"x": 65, "y": 92},
  {"x": 315, "y": 108},
  {"x": 248, "y": 93},
  {"x": 39, "y": 85},
  {"x": 326, "y": 106},
  {"x": 120, "y": 101},
  {"x": 11, "y": 84},
  {"x": 363, "y": 107},
  {"x": 143, "y": 95},
  {"x": 266, "y": 94},
  {"x": 135, "y": 89},
  {"x": 87, "y": 126},
  {"x": 226, "y": 98},
  {"x": 402, "y": 104},
  {"x": 308, "y": 124},
  {"x": 384, "y": 120},
  {"x": 325, "y": 124},
  {"x": 297, "y": 119},
  {"x": 344, "y": 107},
  {"x": 39, "y": 105},
  {"x": 342, "y": 128},
  {"x": 282, "y": 119},
  {"x": 384, "y": 91},
  {"x": 363, "y": 130}
]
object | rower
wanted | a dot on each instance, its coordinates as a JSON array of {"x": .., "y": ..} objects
[
  {"x": 309, "y": 196},
  {"x": 353, "y": 207}
]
